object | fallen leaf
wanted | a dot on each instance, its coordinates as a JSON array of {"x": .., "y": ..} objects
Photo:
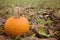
[
  {"x": 41, "y": 21},
  {"x": 43, "y": 32}
]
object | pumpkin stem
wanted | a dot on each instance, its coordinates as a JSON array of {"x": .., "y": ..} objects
[{"x": 17, "y": 11}]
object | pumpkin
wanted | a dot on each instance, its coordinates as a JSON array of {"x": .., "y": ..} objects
[{"x": 16, "y": 25}]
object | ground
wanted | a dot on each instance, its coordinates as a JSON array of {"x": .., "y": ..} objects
[{"x": 44, "y": 19}]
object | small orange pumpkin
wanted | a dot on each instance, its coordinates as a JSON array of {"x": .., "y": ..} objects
[{"x": 16, "y": 26}]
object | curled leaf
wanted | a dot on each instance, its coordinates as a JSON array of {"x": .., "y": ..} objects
[
  {"x": 17, "y": 38},
  {"x": 41, "y": 21},
  {"x": 43, "y": 32}
]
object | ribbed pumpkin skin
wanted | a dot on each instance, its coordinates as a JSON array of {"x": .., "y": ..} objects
[{"x": 14, "y": 27}]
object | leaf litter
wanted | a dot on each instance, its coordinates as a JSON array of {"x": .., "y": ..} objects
[{"x": 40, "y": 21}]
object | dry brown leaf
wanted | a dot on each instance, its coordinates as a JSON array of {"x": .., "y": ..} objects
[{"x": 2, "y": 37}]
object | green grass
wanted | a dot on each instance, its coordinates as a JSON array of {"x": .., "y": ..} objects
[{"x": 50, "y": 3}]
